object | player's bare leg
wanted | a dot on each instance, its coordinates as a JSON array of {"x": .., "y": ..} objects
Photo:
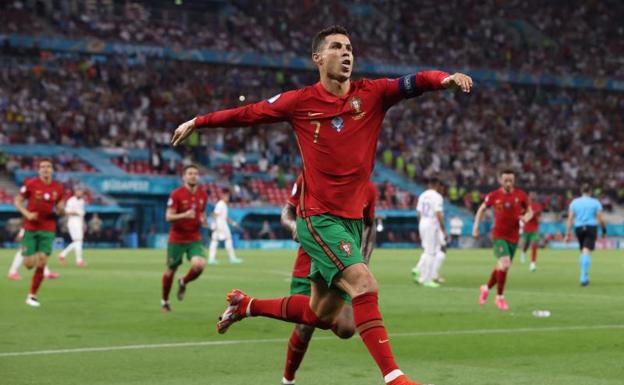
[{"x": 197, "y": 267}]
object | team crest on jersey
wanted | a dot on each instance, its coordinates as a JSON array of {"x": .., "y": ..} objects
[
  {"x": 356, "y": 105},
  {"x": 507, "y": 205},
  {"x": 338, "y": 123},
  {"x": 46, "y": 196},
  {"x": 346, "y": 247}
]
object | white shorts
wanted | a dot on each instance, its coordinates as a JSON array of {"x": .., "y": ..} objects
[
  {"x": 75, "y": 231},
  {"x": 430, "y": 237},
  {"x": 221, "y": 234}
]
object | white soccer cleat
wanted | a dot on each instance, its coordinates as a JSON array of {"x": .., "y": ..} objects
[{"x": 31, "y": 300}]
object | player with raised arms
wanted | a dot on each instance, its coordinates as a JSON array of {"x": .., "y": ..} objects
[{"x": 337, "y": 123}]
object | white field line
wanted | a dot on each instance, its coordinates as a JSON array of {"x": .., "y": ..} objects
[{"x": 282, "y": 340}]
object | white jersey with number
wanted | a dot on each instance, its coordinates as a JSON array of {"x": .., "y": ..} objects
[
  {"x": 75, "y": 223},
  {"x": 430, "y": 202},
  {"x": 221, "y": 228}
]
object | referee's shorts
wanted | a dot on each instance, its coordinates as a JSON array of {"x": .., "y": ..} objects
[{"x": 586, "y": 236}]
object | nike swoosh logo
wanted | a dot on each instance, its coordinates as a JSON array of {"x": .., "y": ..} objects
[
  {"x": 383, "y": 341},
  {"x": 314, "y": 113}
]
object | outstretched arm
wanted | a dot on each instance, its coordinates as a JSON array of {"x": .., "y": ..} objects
[{"x": 276, "y": 109}]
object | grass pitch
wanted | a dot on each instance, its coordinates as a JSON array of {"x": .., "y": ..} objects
[{"x": 103, "y": 325}]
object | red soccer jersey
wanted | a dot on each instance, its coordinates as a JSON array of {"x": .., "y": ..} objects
[
  {"x": 533, "y": 225},
  {"x": 181, "y": 200},
  {"x": 508, "y": 208},
  {"x": 42, "y": 199},
  {"x": 337, "y": 136},
  {"x": 303, "y": 263}
]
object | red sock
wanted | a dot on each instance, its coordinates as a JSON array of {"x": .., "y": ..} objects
[
  {"x": 167, "y": 280},
  {"x": 533, "y": 253},
  {"x": 297, "y": 347},
  {"x": 501, "y": 276},
  {"x": 36, "y": 281},
  {"x": 192, "y": 275},
  {"x": 369, "y": 324},
  {"x": 492, "y": 280},
  {"x": 295, "y": 308}
]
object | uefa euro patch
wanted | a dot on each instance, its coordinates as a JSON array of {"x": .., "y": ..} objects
[{"x": 338, "y": 123}]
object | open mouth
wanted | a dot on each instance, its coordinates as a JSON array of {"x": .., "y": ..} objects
[{"x": 346, "y": 64}]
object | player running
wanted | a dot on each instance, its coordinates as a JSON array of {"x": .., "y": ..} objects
[
  {"x": 300, "y": 284},
  {"x": 221, "y": 231},
  {"x": 186, "y": 211},
  {"x": 531, "y": 235},
  {"x": 585, "y": 212},
  {"x": 510, "y": 206},
  {"x": 75, "y": 211},
  {"x": 45, "y": 202},
  {"x": 18, "y": 259},
  {"x": 433, "y": 236},
  {"x": 336, "y": 122}
]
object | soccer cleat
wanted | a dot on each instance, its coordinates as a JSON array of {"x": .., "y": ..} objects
[
  {"x": 81, "y": 263},
  {"x": 165, "y": 307},
  {"x": 31, "y": 300},
  {"x": 402, "y": 380},
  {"x": 485, "y": 292},
  {"x": 61, "y": 259},
  {"x": 501, "y": 304},
  {"x": 52, "y": 275},
  {"x": 416, "y": 276},
  {"x": 236, "y": 310},
  {"x": 584, "y": 283},
  {"x": 14, "y": 276},
  {"x": 532, "y": 267},
  {"x": 287, "y": 382},
  {"x": 431, "y": 284},
  {"x": 181, "y": 289},
  {"x": 439, "y": 280},
  {"x": 236, "y": 261}
]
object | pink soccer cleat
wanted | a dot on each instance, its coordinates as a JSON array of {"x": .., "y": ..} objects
[
  {"x": 61, "y": 259},
  {"x": 81, "y": 263},
  {"x": 501, "y": 303},
  {"x": 14, "y": 276},
  {"x": 52, "y": 275},
  {"x": 485, "y": 292},
  {"x": 236, "y": 310}
]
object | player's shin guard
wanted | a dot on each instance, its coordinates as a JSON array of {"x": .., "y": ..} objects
[
  {"x": 167, "y": 281},
  {"x": 297, "y": 346},
  {"x": 492, "y": 280},
  {"x": 501, "y": 277},
  {"x": 370, "y": 325},
  {"x": 295, "y": 308},
  {"x": 193, "y": 274},
  {"x": 36, "y": 281}
]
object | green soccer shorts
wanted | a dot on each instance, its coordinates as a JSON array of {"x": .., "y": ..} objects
[
  {"x": 37, "y": 242},
  {"x": 504, "y": 248},
  {"x": 332, "y": 242},
  {"x": 176, "y": 251},
  {"x": 299, "y": 285},
  {"x": 531, "y": 236}
]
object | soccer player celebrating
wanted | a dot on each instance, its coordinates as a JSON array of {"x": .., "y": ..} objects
[
  {"x": 510, "y": 206},
  {"x": 186, "y": 212},
  {"x": 585, "y": 212},
  {"x": 221, "y": 231},
  {"x": 300, "y": 283},
  {"x": 336, "y": 122},
  {"x": 45, "y": 202},
  {"x": 430, "y": 209},
  {"x": 18, "y": 259},
  {"x": 75, "y": 211},
  {"x": 530, "y": 236}
]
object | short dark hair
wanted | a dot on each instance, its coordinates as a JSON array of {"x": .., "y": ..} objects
[
  {"x": 434, "y": 181},
  {"x": 225, "y": 190},
  {"x": 320, "y": 36},
  {"x": 506, "y": 170},
  {"x": 46, "y": 159},
  {"x": 586, "y": 188},
  {"x": 189, "y": 166}
]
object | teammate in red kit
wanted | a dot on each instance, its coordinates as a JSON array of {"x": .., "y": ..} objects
[
  {"x": 186, "y": 210},
  {"x": 510, "y": 206},
  {"x": 530, "y": 234},
  {"x": 300, "y": 284},
  {"x": 45, "y": 203},
  {"x": 336, "y": 122}
]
